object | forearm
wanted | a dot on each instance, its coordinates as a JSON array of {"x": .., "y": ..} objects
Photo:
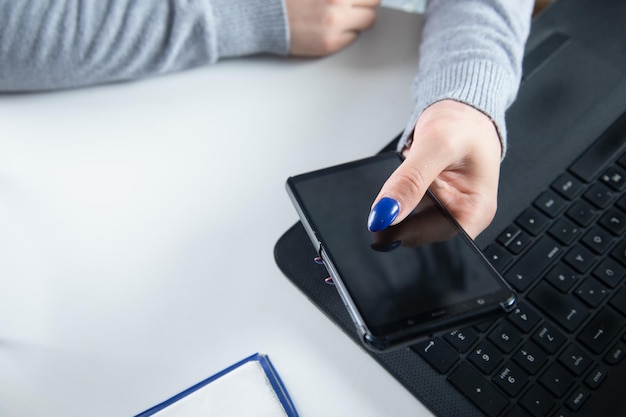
[
  {"x": 471, "y": 52},
  {"x": 67, "y": 43}
]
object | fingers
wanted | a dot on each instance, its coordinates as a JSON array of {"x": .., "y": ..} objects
[
  {"x": 338, "y": 41},
  {"x": 322, "y": 27},
  {"x": 431, "y": 153},
  {"x": 407, "y": 185},
  {"x": 456, "y": 153},
  {"x": 360, "y": 18}
]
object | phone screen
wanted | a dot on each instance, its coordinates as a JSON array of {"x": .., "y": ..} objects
[{"x": 423, "y": 270}]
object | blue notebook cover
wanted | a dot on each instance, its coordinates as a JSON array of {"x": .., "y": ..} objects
[{"x": 199, "y": 406}]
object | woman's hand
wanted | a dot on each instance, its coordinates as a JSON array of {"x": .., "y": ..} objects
[
  {"x": 456, "y": 152},
  {"x": 321, "y": 27}
]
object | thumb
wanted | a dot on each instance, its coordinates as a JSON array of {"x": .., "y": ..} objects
[{"x": 404, "y": 189}]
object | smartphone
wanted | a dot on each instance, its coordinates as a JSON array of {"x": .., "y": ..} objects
[{"x": 408, "y": 282}]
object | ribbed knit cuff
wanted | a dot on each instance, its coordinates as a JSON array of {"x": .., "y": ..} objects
[
  {"x": 479, "y": 84},
  {"x": 251, "y": 27}
]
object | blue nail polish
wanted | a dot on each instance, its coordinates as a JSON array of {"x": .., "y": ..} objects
[{"x": 383, "y": 214}]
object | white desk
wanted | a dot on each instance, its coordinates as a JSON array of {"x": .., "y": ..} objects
[{"x": 138, "y": 220}]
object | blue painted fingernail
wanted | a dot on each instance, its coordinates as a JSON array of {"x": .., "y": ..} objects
[{"x": 383, "y": 214}]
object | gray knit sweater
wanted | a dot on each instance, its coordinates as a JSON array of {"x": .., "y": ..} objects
[{"x": 471, "y": 49}]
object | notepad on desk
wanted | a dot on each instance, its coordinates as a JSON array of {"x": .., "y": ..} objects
[{"x": 249, "y": 388}]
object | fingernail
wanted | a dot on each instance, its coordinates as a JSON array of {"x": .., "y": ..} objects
[{"x": 383, "y": 214}]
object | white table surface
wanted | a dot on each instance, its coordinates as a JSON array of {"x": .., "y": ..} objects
[{"x": 138, "y": 221}]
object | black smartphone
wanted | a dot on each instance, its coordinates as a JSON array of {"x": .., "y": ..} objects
[{"x": 410, "y": 281}]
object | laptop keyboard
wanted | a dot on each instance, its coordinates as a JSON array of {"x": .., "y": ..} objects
[{"x": 566, "y": 258}]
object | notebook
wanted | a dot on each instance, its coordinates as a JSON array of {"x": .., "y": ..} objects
[
  {"x": 248, "y": 388},
  {"x": 558, "y": 238}
]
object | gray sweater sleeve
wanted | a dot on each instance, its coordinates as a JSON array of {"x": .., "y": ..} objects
[
  {"x": 51, "y": 44},
  {"x": 471, "y": 52}
]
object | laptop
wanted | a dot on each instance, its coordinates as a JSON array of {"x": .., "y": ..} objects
[{"x": 559, "y": 239}]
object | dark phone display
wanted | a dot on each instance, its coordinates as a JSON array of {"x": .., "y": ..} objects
[{"x": 403, "y": 274}]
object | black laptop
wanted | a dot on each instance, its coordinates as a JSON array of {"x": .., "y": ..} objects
[{"x": 558, "y": 239}]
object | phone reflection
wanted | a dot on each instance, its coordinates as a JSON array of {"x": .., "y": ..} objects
[
  {"x": 439, "y": 269},
  {"x": 426, "y": 224}
]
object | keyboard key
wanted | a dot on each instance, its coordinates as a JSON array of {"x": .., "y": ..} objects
[
  {"x": 575, "y": 359},
  {"x": 549, "y": 338},
  {"x": 437, "y": 354},
  {"x": 577, "y": 399},
  {"x": 602, "y": 330},
  {"x": 521, "y": 241},
  {"x": 619, "y": 301},
  {"x": 614, "y": 221},
  {"x": 550, "y": 203},
  {"x": 557, "y": 380},
  {"x": 579, "y": 258},
  {"x": 461, "y": 340},
  {"x": 615, "y": 354},
  {"x": 619, "y": 252},
  {"x": 621, "y": 203},
  {"x": 531, "y": 358},
  {"x": 486, "y": 357},
  {"x": 527, "y": 269},
  {"x": 533, "y": 221},
  {"x": 622, "y": 160},
  {"x": 537, "y": 401},
  {"x": 507, "y": 236},
  {"x": 615, "y": 178},
  {"x": 564, "y": 230},
  {"x": 524, "y": 317},
  {"x": 596, "y": 377},
  {"x": 505, "y": 336},
  {"x": 563, "y": 277},
  {"x": 600, "y": 195},
  {"x": 599, "y": 154},
  {"x": 480, "y": 391},
  {"x": 565, "y": 310},
  {"x": 568, "y": 186},
  {"x": 498, "y": 257},
  {"x": 598, "y": 240},
  {"x": 609, "y": 272},
  {"x": 582, "y": 213},
  {"x": 511, "y": 379},
  {"x": 592, "y": 292}
]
